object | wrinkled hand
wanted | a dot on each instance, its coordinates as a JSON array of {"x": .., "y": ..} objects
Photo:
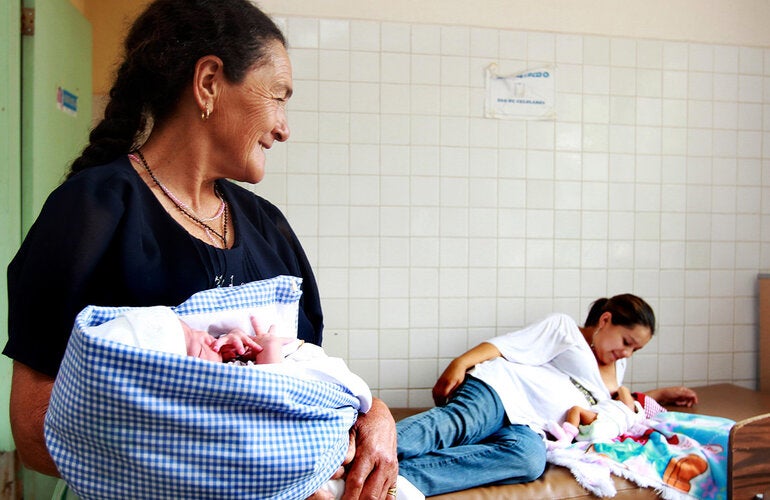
[
  {"x": 374, "y": 467},
  {"x": 677, "y": 395},
  {"x": 447, "y": 383}
]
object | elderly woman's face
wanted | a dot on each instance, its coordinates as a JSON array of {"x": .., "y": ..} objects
[{"x": 254, "y": 115}]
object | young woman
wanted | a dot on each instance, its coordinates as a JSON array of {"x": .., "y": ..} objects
[{"x": 497, "y": 399}]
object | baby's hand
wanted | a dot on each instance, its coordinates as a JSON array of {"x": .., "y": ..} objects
[
  {"x": 270, "y": 344},
  {"x": 236, "y": 344}
]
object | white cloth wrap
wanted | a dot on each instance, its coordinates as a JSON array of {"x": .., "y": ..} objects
[
  {"x": 613, "y": 418},
  {"x": 125, "y": 422}
]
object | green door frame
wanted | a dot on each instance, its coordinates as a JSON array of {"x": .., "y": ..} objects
[{"x": 10, "y": 183}]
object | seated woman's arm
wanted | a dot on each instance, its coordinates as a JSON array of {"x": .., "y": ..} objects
[
  {"x": 454, "y": 374},
  {"x": 677, "y": 396},
  {"x": 30, "y": 394}
]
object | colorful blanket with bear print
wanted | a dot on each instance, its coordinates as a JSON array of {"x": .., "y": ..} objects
[{"x": 680, "y": 455}]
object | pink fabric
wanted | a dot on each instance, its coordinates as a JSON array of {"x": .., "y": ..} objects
[{"x": 651, "y": 407}]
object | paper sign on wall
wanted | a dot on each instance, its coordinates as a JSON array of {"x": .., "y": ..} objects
[
  {"x": 528, "y": 95},
  {"x": 67, "y": 101}
]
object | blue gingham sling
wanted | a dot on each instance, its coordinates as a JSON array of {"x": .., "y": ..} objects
[{"x": 127, "y": 423}]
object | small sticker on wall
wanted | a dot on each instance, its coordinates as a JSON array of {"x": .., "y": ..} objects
[
  {"x": 528, "y": 95},
  {"x": 67, "y": 101}
]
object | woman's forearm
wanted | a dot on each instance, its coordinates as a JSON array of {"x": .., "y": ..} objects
[
  {"x": 30, "y": 394},
  {"x": 678, "y": 396},
  {"x": 482, "y": 352},
  {"x": 454, "y": 374}
]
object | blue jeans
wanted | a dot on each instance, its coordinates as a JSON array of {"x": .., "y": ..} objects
[{"x": 467, "y": 443}]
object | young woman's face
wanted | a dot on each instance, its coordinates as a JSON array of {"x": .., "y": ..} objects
[
  {"x": 253, "y": 115},
  {"x": 614, "y": 342}
]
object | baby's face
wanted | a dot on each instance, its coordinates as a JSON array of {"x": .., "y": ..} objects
[{"x": 199, "y": 343}]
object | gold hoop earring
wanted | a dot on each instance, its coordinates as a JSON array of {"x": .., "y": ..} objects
[{"x": 205, "y": 113}]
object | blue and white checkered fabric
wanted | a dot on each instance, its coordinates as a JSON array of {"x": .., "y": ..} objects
[{"x": 126, "y": 423}]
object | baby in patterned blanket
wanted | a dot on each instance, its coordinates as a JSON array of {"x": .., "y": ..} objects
[{"x": 159, "y": 328}]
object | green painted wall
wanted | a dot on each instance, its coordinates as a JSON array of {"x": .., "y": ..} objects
[{"x": 58, "y": 56}]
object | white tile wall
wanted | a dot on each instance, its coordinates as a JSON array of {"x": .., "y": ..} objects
[{"x": 432, "y": 228}]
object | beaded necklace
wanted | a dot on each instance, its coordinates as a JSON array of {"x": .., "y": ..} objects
[{"x": 186, "y": 210}]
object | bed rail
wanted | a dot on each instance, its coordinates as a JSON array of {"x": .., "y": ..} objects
[{"x": 749, "y": 462}]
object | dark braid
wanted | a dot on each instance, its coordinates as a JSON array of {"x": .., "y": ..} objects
[
  {"x": 161, "y": 50},
  {"x": 627, "y": 310}
]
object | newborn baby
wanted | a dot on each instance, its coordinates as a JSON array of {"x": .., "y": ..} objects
[
  {"x": 604, "y": 421},
  {"x": 158, "y": 328}
]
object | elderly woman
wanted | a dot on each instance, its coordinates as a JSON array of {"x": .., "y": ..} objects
[{"x": 146, "y": 216}]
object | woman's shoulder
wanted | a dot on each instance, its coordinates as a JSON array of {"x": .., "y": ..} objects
[
  {"x": 562, "y": 326},
  {"x": 103, "y": 180},
  {"x": 561, "y": 319},
  {"x": 249, "y": 200},
  {"x": 119, "y": 168},
  {"x": 551, "y": 326},
  {"x": 97, "y": 197}
]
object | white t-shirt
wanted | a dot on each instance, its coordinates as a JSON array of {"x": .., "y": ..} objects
[{"x": 534, "y": 378}]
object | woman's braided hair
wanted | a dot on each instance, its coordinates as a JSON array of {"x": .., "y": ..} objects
[
  {"x": 627, "y": 310},
  {"x": 161, "y": 50}
]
